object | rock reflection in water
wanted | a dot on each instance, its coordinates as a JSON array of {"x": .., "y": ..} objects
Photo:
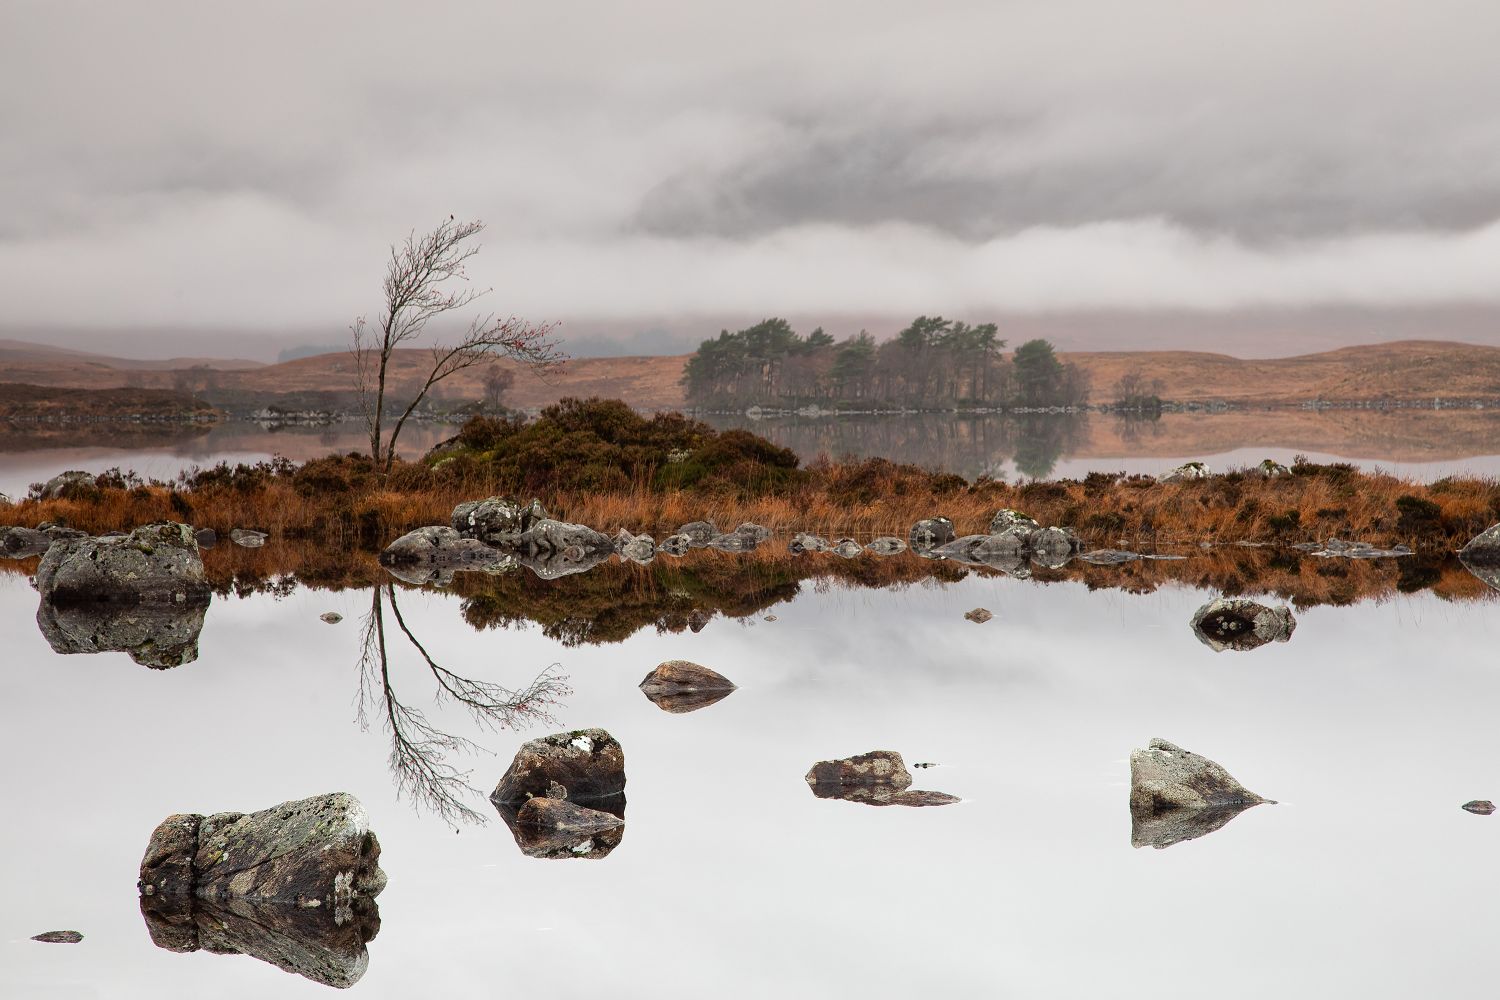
[
  {"x": 155, "y": 635},
  {"x": 541, "y": 834},
  {"x": 317, "y": 943},
  {"x": 877, "y": 778},
  {"x": 419, "y": 748},
  {"x": 1238, "y": 624}
]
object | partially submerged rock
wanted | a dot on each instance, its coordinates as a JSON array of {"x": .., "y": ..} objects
[
  {"x": 877, "y": 778},
  {"x": 1337, "y": 548},
  {"x": 1109, "y": 557},
  {"x": 675, "y": 545},
  {"x": 978, "y": 616},
  {"x": 1480, "y": 807},
  {"x": 699, "y": 533},
  {"x": 1186, "y": 472},
  {"x": 247, "y": 539},
  {"x": 803, "y": 542},
  {"x": 431, "y": 555},
  {"x": 680, "y": 686},
  {"x": 636, "y": 548},
  {"x": 58, "y": 937},
  {"x": 1176, "y": 795},
  {"x": 847, "y": 548},
  {"x": 154, "y": 563},
  {"x": 928, "y": 534},
  {"x": 1481, "y": 556},
  {"x": 1241, "y": 624},
  {"x": 293, "y": 885},
  {"x": 554, "y": 816},
  {"x": 734, "y": 542},
  {"x": 585, "y": 765},
  {"x": 886, "y": 545},
  {"x": 755, "y": 531},
  {"x": 330, "y": 617}
]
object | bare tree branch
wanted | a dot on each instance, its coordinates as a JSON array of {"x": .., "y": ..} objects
[{"x": 416, "y": 292}]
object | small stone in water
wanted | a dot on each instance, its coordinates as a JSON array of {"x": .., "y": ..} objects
[
  {"x": 59, "y": 937},
  {"x": 1480, "y": 807},
  {"x": 979, "y": 616},
  {"x": 331, "y": 617},
  {"x": 769, "y": 618}
]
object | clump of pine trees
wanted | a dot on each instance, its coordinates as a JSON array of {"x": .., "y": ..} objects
[{"x": 934, "y": 363}]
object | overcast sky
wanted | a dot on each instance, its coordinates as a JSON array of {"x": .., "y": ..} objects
[{"x": 652, "y": 165}]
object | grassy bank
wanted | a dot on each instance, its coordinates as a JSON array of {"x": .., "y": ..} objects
[{"x": 601, "y": 464}]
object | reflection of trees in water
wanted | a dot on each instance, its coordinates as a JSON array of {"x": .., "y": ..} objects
[
  {"x": 419, "y": 749},
  {"x": 971, "y": 446}
]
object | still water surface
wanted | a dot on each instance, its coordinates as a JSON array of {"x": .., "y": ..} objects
[{"x": 1370, "y": 727}]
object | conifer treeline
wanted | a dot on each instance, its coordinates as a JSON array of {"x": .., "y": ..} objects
[{"x": 932, "y": 363}]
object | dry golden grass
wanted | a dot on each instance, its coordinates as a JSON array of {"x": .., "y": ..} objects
[{"x": 862, "y": 501}]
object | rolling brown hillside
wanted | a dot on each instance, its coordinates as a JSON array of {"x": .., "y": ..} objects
[{"x": 1409, "y": 370}]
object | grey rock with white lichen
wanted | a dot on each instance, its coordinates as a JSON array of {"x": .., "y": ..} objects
[
  {"x": 1177, "y": 795},
  {"x": 581, "y": 766},
  {"x": 154, "y": 563},
  {"x": 928, "y": 534}
]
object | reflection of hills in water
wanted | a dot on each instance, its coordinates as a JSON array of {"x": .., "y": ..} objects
[{"x": 1032, "y": 445}]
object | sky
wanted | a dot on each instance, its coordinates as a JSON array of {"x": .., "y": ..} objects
[{"x": 229, "y": 177}]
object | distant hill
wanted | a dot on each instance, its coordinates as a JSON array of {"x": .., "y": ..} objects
[
  {"x": 1406, "y": 370},
  {"x": 25, "y": 353}
]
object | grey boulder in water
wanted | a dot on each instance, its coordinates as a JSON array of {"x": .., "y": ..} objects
[
  {"x": 154, "y": 563},
  {"x": 1177, "y": 795},
  {"x": 1240, "y": 624}
]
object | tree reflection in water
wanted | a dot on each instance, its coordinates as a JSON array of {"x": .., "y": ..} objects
[{"x": 419, "y": 749}]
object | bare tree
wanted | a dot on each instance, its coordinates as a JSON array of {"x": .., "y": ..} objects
[
  {"x": 497, "y": 382},
  {"x": 419, "y": 749},
  {"x": 417, "y": 290}
]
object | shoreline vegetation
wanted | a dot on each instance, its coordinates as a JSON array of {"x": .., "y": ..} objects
[{"x": 599, "y": 463}]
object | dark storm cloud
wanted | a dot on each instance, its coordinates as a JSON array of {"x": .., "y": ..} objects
[{"x": 223, "y": 164}]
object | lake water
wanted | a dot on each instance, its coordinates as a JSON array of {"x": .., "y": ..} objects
[
  {"x": 1420, "y": 444},
  {"x": 1370, "y": 727}
]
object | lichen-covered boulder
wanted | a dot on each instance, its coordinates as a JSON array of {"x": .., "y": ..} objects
[
  {"x": 878, "y": 767},
  {"x": 1240, "y": 624},
  {"x": 636, "y": 548},
  {"x": 675, "y": 545},
  {"x": 930, "y": 533},
  {"x": 680, "y": 686},
  {"x": 154, "y": 563},
  {"x": 312, "y": 852},
  {"x": 438, "y": 547},
  {"x": 581, "y": 766},
  {"x": 960, "y": 549},
  {"x": 68, "y": 485},
  {"x": 699, "y": 533},
  {"x": 1177, "y": 795},
  {"x": 886, "y": 545},
  {"x": 1165, "y": 776},
  {"x": 1007, "y": 518},
  {"x": 495, "y": 518},
  {"x": 293, "y": 885},
  {"x": 755, "y": 531},
  {"x": 1186, "y": 472},
  {"x": 802, "y": 543},
  {"x": 1054, "y": 541}
]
